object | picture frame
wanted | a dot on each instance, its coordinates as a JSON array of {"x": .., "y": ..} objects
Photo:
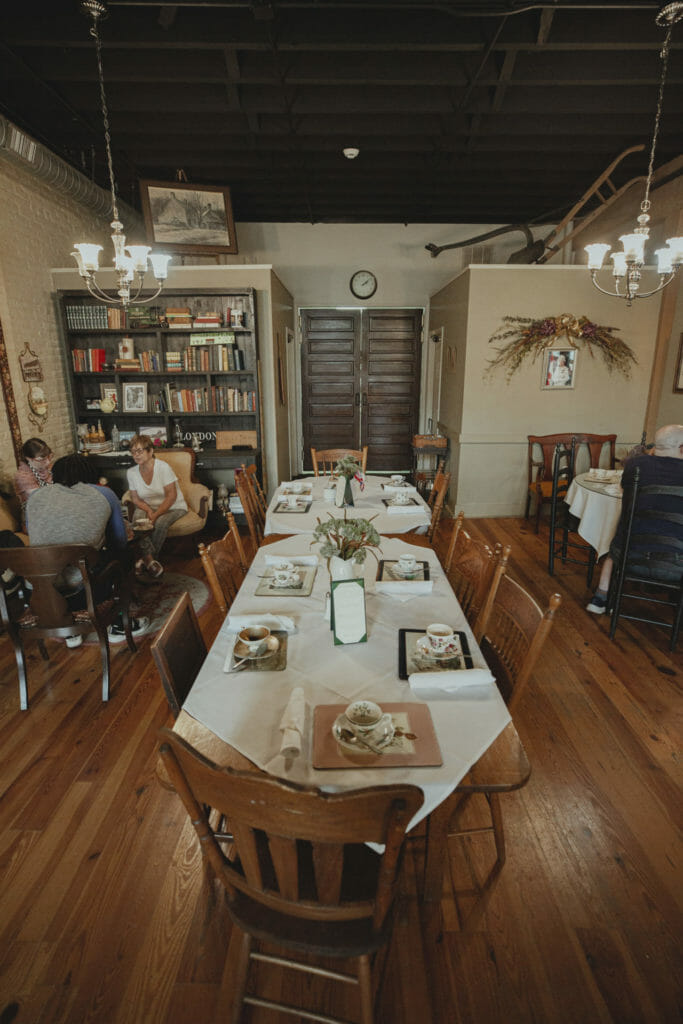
[
  {"x": 158, "y": 434},
  {"x": 134, "y": 396},
  {"x": 109, "y": 391},
  {"x": 559, "y": 369},
  {"x": 191, "y": 219},
  {"x": 678, "y": 379}
]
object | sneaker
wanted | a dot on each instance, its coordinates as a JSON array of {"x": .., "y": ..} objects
[
  {"x": 74, "y": 641},
  {"x": 117, "y": 633},
  {"x": 155, "y": 569},
  {"x": 598, "y": 605}
]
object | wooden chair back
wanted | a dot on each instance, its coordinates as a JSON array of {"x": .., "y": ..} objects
[
  {"x": 299, "y": 874},
  {"x": 516, "y": 630},
  {"x": 438, "y": 481},
  {"x": 259, "y": 494},
  {"x": 595, "y": 444},
  {"x": 325, "y": 460},
  {"x": 439, "y": 492},
  {"x": 179, "y": 652},
  {"x": 225, "y": 565},
  {"x": 471, "y": 568},
  {"x": 255, "y": 521},
  {"x": 49, "y": 616},
  {"x": 540, "y": 457}
]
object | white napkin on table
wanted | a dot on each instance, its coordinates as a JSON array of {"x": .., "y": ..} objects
[
  {"x": 237, "y": 622},
  {"x": 614, "y": 489},
  {"x": 292, "y": 724},
  {"x": 402, "y": 509},
  {"x": 304, "y": 485},
  {"x": 294, "y": 559},
  {"x": 403, "y": 488},
  {"x": 404, "y": 590},
  {"x": 451, "y": 681}
]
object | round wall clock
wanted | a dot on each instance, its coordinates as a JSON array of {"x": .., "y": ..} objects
[{"x": 363, "y": 284}]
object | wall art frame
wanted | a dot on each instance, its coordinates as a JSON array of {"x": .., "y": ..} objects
[
  {"x": 190, "y": 219},
  {"x": 134, "y": 396},
  {"x": 559, "y": 369}
]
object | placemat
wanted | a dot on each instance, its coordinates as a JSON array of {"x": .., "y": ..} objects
[
  {"x": 275, "y": 662},
  {"x": 302, "y": 506},
  {"x": 303, "y": 588},
  {"x": 410, "y": 660},
  {"x": 414, "y": 743},
  {"x": 399, "y": 504},
  {"x": 386, "y": 570}
]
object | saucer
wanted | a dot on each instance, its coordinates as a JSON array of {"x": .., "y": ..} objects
[
  {"x": 422, "y": 647},
  {"x": 241, "y": 650},
  {"x": 401, "y": 504},
  {"x": 287, "y": 584},
  {"x": 347, "y": 739},
  {"x": 406, "y": 574}
]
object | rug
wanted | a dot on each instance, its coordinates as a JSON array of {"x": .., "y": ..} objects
[{"x": 156, "y": 600}]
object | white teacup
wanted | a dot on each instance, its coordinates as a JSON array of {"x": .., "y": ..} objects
[
  {"x": 254, "y": 638},
  {"x": 283, "y": 565},
  {"x": 440, "y": 637},
  {"x": 407, "y": 563},
  {"x": 285, "y": 577},
  {"x": 292, "y": 500},
  {"x": 397, "y": 479},
  {"x": 367, "y": 721},
  {"x": 401, "y": 498}
]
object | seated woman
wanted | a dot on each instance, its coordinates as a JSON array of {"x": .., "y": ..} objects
[
  {"x": 34, "y": 472},
  {"x": 155, "y": 491}
]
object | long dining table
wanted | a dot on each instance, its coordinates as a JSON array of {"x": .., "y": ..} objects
[
  {"x": 236, "y": 717},
  {"x": 374, "y": 500}
]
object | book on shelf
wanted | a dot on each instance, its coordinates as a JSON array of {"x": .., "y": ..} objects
[
  {"x": 116, "y": 318},
  {"x": 208, "y": 320},
  {"x": 127, "y": 365},
  {"x": 213, "y": 338},
  {"x": 150, "y": 361},
  {"x": 88, "y": 360},
  {"x": 86, "y": 318},
  {"x": 142, "y": 316},
  {"x": 174, "y": 362}
]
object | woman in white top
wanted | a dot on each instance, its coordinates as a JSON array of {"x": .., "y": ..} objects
[{"x": 154, "y": 490}]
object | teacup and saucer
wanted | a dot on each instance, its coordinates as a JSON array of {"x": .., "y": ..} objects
[
  {"x": 397, "y": 479},
  {"x": 439, "y": 642},
  {"x": 285, "y": 578},
  {"x": 364, "y": 724},
  {"x": 401, "y": 498},
  {"x": 255, "y": 642},
  {"x": 406, "y": 566}
]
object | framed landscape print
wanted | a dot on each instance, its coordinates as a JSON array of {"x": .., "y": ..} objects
[
  {"x": 559, "y": 368},
  {"x": 678, "y": 380},
  {"x": 192, "y": 219}
]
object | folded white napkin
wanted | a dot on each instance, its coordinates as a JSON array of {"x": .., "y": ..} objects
[
  {"x": 410, "y": 509},
  {"x": 292, "y": 724},
  {"x": 237, "y": 622},
  {"x": 450, "y": 682},
  {"x": 404, "y": 590},
  {"x": 294, "y": 559},
  {"x": 305, "y": 485},
  {"x": 404, "y": 488}
]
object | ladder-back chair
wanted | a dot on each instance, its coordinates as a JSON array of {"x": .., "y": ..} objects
[
  {"x": 325, "y": 460},
  {"x": 250, "y": 508},
  {"x": 179, "y": 652},
  {"x": 439, "y": 492},
  {"x": 225, "y": 565}
]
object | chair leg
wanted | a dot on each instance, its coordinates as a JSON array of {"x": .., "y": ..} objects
[
  {"x": 591, "y": 568},
  {"x": 239, "y": 981},
  {"x": 539, "y": 504},
  {"x": 106, "y": 659},
  {"x": 365, "y": 989},
  {"x": 21, "y": 669},
  {"x": 498, "y": 831},
  {"x": 528, "y": 505}
]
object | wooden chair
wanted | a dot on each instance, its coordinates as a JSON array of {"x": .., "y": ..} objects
[
  {"x": 651, "y": 560},
  {"x": 324, "y": 461},
  {"x": 179, "y": 652},
  {"x": 474, "y": 571},
  {"x": 259, "y": 494},
  {"x": 438, "y": 482},
  {"x": 595, "y": 444},
  {"x": 540, "y": 455},
  {"x": 255, "y": 523},
  {"x": 48, "y": 615},
  {"x": 181, "y": 461},
  {"x": 439, "y": 492},
  {"x": 300, "y": 876},
  {"x": 225, "y": 565},
  {"x": 563, "y": 525}
]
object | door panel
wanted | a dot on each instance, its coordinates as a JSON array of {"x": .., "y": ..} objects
[{"x": 361, "y": 382}]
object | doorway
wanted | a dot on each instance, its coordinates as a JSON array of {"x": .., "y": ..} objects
[{"x": 360, "y": 382}]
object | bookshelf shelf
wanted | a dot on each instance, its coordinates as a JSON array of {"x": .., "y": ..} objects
[{"x": 201, "y": 402}]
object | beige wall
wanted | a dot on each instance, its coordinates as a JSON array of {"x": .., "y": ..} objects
[{"x": 495, "y": 416}]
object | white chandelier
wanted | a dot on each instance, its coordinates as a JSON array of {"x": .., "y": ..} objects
[
  {"x": 628, "y": 264},
  {"x": 130, "y": 261}
]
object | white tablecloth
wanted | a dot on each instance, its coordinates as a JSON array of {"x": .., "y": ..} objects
[
  {"x": 367, "y": 503},
  {"x": 245, "y": 708},
  {"x": 597, "y": 510}
]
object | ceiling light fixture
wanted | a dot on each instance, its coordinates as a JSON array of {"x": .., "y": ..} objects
[
  {"x": 628, "y": 264},
  {"x": 130, "y": 261},
  {"x": 350, "y": 152}
]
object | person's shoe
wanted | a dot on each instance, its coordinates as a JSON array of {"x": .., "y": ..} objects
[
  {"x": 597, "y": 605},
  {"x": 117, "y": 633},
  {"x": 140, "y": 568},
  {"x": 155, "y": 569},
  {"x": 74, "y": 641}
]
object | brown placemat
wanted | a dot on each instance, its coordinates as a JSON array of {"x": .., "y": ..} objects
[
  {"x": 415, "y": 742},
  {"x": 275, "y": 663}
]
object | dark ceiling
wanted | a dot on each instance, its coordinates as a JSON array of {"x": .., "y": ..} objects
[{"x": 468, "y": 112}]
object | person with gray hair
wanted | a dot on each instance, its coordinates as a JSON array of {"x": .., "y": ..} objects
[{"x": 662, "y": 466}]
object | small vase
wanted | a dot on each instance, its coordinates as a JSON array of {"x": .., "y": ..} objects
[
  {"x": 348, "y": 494},
  {"x": 341, "y": 568}
]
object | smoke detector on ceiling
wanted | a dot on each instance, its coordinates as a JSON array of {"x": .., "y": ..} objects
[{"x": 350, "y": 152}]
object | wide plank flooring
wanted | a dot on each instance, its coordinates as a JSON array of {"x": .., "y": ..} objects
[{"x": 104, "y": 916}]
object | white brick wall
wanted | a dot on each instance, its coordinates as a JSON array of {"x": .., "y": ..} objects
[{"x": 38, "y": 227}]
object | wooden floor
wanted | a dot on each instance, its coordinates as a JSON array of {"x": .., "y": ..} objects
[{"x": 103, "y": 917}]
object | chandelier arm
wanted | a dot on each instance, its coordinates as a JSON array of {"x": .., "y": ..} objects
[
  {"x": 98, "y": 293},
  {"x": 594, "y": 279},
  {"x": 662, "y": 284}
]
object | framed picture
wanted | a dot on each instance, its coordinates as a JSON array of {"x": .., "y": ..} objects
[
  {"x": 135, "y": 397},
  {"x": 109, "y": 391},
  {"x": 188, "y": 218},
  {"x": 678, "y": 381},
  {"x": 31, "y": 369},
  {"x": 559, "y": 368},
  {"x": 157, "y": 434}
]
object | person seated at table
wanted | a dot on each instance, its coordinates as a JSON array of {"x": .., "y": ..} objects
[
  {"x": 154, "y": 490},
  {"x": 663, "y": 466},
  {"x": 75, "y": 469},
  {"x": 74, "y": 512},
  {"x": 34, "y": 472}
]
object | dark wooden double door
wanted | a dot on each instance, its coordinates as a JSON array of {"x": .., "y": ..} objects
[{"x": 360, "y": 375}]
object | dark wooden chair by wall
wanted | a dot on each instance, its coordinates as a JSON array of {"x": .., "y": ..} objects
[
  {"x": 540, "y": 456},
  {"x": 179, "y": 652},
  {"x": 299, "y": 876}
]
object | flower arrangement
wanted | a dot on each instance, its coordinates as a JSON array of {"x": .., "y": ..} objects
[
  {"x": 530, "y": 337},
  {"x": 348, "y": 539},
  {"x": 349, "y": 467}
]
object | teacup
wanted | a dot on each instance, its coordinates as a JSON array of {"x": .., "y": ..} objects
[
  {"x": 440, "y": 637},
  {"x": 285, "y": 577},
  {"x": 367, "y": 721},
  {"x": 407, "y": 563},
  {"x": 283, "y": 565},
  {"x": 401, "y": 498},
  {"x": 292, "y": 500},
  {"x": 397, "y": 478},
  {"x": 254, "y": 638}
]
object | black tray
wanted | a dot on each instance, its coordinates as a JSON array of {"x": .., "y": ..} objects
[{"x": 443, "y": 665}]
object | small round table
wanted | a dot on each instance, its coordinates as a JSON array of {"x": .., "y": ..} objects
[{"x": 598, "y": 509}]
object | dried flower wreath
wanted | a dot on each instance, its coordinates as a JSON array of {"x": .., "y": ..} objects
[{"x": 530, "y": 337}]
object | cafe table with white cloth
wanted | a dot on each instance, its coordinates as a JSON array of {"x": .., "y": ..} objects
[
  {"x": 597, "y": 504},
  {"x": 373, "y": 500},
  {"x": 245, "y": 709}
]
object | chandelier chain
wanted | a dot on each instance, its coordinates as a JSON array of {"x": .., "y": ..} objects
[
  {"x": 105, "y": 117},
  {"x": 664, "y": 53}
]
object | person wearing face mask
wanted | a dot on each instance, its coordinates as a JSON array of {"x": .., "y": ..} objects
[{"x": 34, "y": 472}]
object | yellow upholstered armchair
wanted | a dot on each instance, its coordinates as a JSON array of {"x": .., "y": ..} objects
[{"x": 181, "y": 461}]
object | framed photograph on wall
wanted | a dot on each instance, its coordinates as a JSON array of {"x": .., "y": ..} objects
[
  {"x": 678, "y": 380},
  {"x": 192, "y": 219},
  {"x": 559, "y": 368},
  {"x": 135, "y": 397}
]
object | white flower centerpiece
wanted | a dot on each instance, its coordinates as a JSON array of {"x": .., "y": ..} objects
[{"x": 344, "y": 542}]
